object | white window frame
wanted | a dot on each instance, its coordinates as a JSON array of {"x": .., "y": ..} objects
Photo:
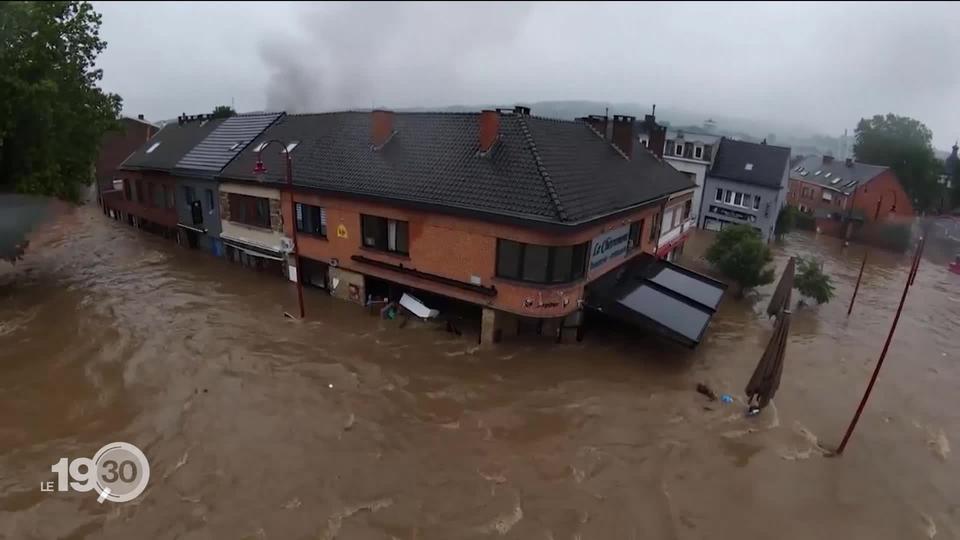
[
  {"x": 719, "y": 196},
  {"x": 678, "y": 149},
  {"x": 698, "y": 152}
]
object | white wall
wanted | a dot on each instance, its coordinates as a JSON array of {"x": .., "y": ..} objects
[
  {"x": 699, "y": 170},
  {"x": 245, "y": 233}
]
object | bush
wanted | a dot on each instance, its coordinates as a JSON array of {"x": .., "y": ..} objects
[
  {"x": 811, "y": 281},
  {"x": 786, "y": 220},
  {"x": 741, "y": 255}
]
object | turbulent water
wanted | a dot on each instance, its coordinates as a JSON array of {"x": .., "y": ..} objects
[{"x": 346, "y": 426}]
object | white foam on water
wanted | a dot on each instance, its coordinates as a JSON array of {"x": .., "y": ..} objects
[
  {"x": 937, "y": 441},
  {"x": 502, "y": 524}
]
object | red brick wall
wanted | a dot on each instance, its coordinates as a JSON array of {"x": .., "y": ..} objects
[
  {"x": 795, "y": 197},
  {"x": 162, "y": 215},
  {"x": 116, "y": 146},
  {"x": 887, "y": 187},
  {"x": 453, "y": 247}
]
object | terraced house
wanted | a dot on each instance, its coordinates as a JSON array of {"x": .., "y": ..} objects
[{"x": 501, "y": 210}]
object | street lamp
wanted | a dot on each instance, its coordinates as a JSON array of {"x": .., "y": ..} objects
[
  {"x": 876, "y": 217},
  {"x": 259, "y": 170}
]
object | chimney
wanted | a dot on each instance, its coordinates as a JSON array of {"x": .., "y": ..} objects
[
  {"x": 520, "y": 110},
  {"x": 139, "y": 117},
  {"x": 827, "y": 159},
  {"x": 381, "y": 127},
  {"x": 623, "y": 133},
  {"x": 848, "y": 162},
  {"x": 489, "y": 129},
  {"x": 597, "y": 122}
]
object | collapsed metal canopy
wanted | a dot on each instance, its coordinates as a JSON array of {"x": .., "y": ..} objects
[{"x": 660, "y": 296}]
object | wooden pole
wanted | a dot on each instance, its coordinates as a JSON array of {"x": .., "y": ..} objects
[{"x": 883, "y": 355}]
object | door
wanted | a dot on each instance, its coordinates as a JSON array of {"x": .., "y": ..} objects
[{"x": 192, "y": 240}]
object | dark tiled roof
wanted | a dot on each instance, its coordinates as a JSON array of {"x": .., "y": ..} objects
[
  {"x": 224, "y": 143},
  {"x": 751, "y": 163},
  {"x": 175, "y": 141},
  {"x": 812, "y": 169},
  {"x": 546, "y": 170}
]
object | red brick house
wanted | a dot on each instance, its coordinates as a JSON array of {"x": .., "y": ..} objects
[
  {"x": 836, "y": 192},
  {"x": 501, "y": 210},
  {"x": 116, "y": 146}
]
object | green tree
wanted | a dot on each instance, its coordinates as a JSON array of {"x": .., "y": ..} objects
[
  {"x": 52, "y": 113},
  {"x": 786, "y": 221},
  {"x": 223, "y": 111},
  {"x": 903, "y": 144},
  {"x": 741, "y": 255},
  {"x": 811, "y": 281}
]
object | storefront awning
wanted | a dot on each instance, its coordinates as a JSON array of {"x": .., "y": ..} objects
[
  {"x": 660, "y": 296},
  {"x": 252, "y": 249}
]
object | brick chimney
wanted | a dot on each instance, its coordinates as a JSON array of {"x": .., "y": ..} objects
[
  {"x": 656, "y": 134},
  {"x": 623, "y": 133},
  {"x": 597, "y": 122},
  {"x": 489, "y": 129},
  {"x": 381, "y": 127},
  {"x": 827, "y": 159}
]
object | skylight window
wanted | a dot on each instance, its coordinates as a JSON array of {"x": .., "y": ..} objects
[
  {"x": 804, "y": 173},
  {"x": 827, "y": 175},
  {"x": 817, "y": 173},
  {"x": 850, "y": 184},
  {"x": 153, "y": 147},
  {"x": 234, "y": 146},
  {"x": 292, "y": 145},
  {"x": 748, "y": 166},
  {"x": 835, "y": 181},
  {"x": 259, "y": 147}
]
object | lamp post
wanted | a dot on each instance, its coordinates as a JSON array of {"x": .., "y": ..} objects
[
  {"x": 876, "y": 217},
  {"x": 260, "y": 170}
]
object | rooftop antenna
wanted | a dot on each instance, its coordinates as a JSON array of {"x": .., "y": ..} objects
[{"x": 606, "y": 112}]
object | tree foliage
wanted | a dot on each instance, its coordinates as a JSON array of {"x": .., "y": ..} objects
[
  {"x": 811, "y": 281},
  {"x": 52, "y": 113},
  {"x": 741, "y": 255},
  {"x": 223, "y": 111},
  {"x": 903, "y": 144},
  {"x": 786, "y": 221}
]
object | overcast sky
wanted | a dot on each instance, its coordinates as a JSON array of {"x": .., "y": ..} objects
[{"x": 817, "y": 65}]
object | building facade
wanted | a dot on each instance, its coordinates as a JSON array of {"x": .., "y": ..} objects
[
  {"x": 842, "y": 195},
  {"x": 117, "y": 145},
  {"x": 691, "y": 153},
  {"x": 501, "y": 210},
  {"x": 747, "y": 184}
]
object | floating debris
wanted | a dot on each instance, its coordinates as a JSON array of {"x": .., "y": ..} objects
[
  {"x": 939, "y": 444},
  {"x": 503, "y": 524}
]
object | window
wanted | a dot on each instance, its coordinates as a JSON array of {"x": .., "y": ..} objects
[
  {"x": 189, "y": 195},
  {"x": 168, "y": 196},
  {"x": 636, "y": 234},
  {"x": 254, "y": 211},
  {"x": 211, "y": 204},
  {"x": 738, "y": 199},
  {"x": 827, "y": 175},
  {"x": 643, "y": 143},
  {"x": 756, "y": 202},
  {"x": 140, "y": 191},
  {"x": 817, "y": 173},
  {"x": 541, "y": 264},
  {"x": 157, "y": 196},
  {"x": 311, "y": 220},
  {"x": 653, "y": 227},
  {"x": 259, "y": 147},
  {"x": 126, "y": 190},
  {"x": 748, "y": 167},
  {"x": 836, "y": 180},
  {"x": 234, "y": 146},
  {"x": 291, "y": 145},
  {"x": 746, "y": 200},
  {"x": 153, "y": 147},
  {"x": 698, "y": 152},
  {"x": 827, "y": 196},
  {"x": 729, "y": 197},
  {"x": 687, "y": 208},
  {"x": 385, "y": 234},
  {"x": 668, "y": 219},
  {"x": 678, "y": 150},
  {"x": 719, "y": 195}
]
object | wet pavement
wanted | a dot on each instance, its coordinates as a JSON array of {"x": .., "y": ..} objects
[{"x": 345, "y": 426}]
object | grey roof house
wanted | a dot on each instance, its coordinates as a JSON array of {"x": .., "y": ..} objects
[{"x": 747, "y": 184}]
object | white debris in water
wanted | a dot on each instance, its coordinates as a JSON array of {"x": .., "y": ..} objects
[
  {"x": 929, "y": 527},
  {"x": 496, "y": 478},
  {"x": 503, "y": 524},
  {"x": 293, "y": 504},
  {"x": 938, "y": 443},
  {"x": 351, "y": 420},
  {"x": 451, "y": 425},
  {"x": 180, "y": 463}
]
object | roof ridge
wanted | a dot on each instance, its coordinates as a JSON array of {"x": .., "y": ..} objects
[
  {"x": 544, "y": 175},
  {"x": 604, "y": 139}
]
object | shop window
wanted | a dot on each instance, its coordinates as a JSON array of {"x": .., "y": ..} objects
[
  {"x": 540, "y": 264},
  {"x": 253, "y": 211}
]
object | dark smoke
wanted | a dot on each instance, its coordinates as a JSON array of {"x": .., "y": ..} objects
[{"x": 385, "y": 54}]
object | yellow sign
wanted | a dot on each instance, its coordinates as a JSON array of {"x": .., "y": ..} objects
[{"x": 341, "y": 231}]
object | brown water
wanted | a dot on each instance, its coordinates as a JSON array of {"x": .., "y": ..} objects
[{"x": 349, "y": 427}]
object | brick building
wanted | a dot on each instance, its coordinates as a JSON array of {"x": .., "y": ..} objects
[
  {"x": 147, "y": 191},
  {"x": 840, "y": 192},
  {"x": 505, "y": 211},
  {"x": 117, "y": 145}
]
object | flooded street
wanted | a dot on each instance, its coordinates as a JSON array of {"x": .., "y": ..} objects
[{"x": 345, "y": 426}]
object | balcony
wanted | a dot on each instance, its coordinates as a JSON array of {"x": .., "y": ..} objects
[{"x": 671, "y": 236}]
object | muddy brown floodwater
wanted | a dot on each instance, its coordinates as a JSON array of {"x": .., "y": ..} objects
[{"x": 349, "y": 427}]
